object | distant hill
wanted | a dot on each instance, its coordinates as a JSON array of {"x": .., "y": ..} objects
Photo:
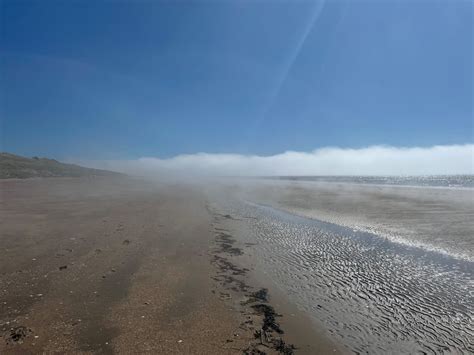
[{"x": 15, "y": 166}]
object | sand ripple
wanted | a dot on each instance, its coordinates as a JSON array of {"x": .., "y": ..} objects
[{"x": 370, "y": 293}]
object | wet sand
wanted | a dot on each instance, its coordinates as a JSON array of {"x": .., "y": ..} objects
[
  {"x": 370, "y": 293},
  {"x": 435, "y": 218},
  {"x": 114, "y": 265}
]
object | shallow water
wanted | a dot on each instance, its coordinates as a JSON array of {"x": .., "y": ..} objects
[
  {"x": 435, "y": 218},
  {"x": 371, "y": 294},
  {"x": 428, "y": 180}
]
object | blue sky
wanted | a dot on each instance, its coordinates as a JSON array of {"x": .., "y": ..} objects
[{"x": 122, "y": 80}]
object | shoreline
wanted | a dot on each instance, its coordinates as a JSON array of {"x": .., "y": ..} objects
[
  {"x": 398, "y": 240},
  {"x": 371, "y": 294},
  {"x": 245, "y": 285},
  {"x": 437, "y": 220}
]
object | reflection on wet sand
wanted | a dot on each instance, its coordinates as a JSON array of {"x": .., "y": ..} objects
[{"x": 370, "y": 293}]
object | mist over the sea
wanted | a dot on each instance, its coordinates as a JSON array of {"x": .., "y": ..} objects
[{"x": 373, "y": 160}]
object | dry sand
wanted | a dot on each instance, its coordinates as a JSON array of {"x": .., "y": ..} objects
[{"x": 115, "y": 265}]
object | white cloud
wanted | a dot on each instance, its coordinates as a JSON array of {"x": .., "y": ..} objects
[{"x": 374, "y": 160}]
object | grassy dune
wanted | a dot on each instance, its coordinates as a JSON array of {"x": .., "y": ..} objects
[{"x": 15, "y": 166}]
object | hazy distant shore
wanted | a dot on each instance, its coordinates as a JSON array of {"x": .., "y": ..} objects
[{"x": 18, "y": 167}]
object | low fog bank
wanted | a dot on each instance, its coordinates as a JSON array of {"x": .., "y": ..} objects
[{"x": 374, "y": 160}]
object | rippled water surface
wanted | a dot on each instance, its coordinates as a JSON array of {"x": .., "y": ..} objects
[
  {"x": 428, "y": 180},
  {"x": 371, "y": 294}
]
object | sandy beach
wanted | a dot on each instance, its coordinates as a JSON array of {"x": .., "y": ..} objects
[
  {"x": 116, "y": 265},
  {"x": 123, "y": 265},
  {"x": 236, "y": 177}
]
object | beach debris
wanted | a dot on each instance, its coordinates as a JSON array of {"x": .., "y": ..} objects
[
  {"x": 226, "y": 242},
  {"x": 260, "y": 295},
  {"x": 63, "y": 267},
  {"x": 282, "y": 347},
  {"x": 269, "y": 317},
  {"x": 18, "y": 334},
  {"x": 126, "y": 242},
  {"x": 226, "y": 266},
  {"x": 262, "y": 335},
  {"x": 180, "y": 341},
  {"x": 257, "y": 296},
  {"x": 229, "y": 276},
  {"x": 253, "y": 351},
  {"x": 224, "y": 296}
]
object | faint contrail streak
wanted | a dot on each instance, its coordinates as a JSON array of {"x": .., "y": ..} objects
[{"x": 319, "y": 5}]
